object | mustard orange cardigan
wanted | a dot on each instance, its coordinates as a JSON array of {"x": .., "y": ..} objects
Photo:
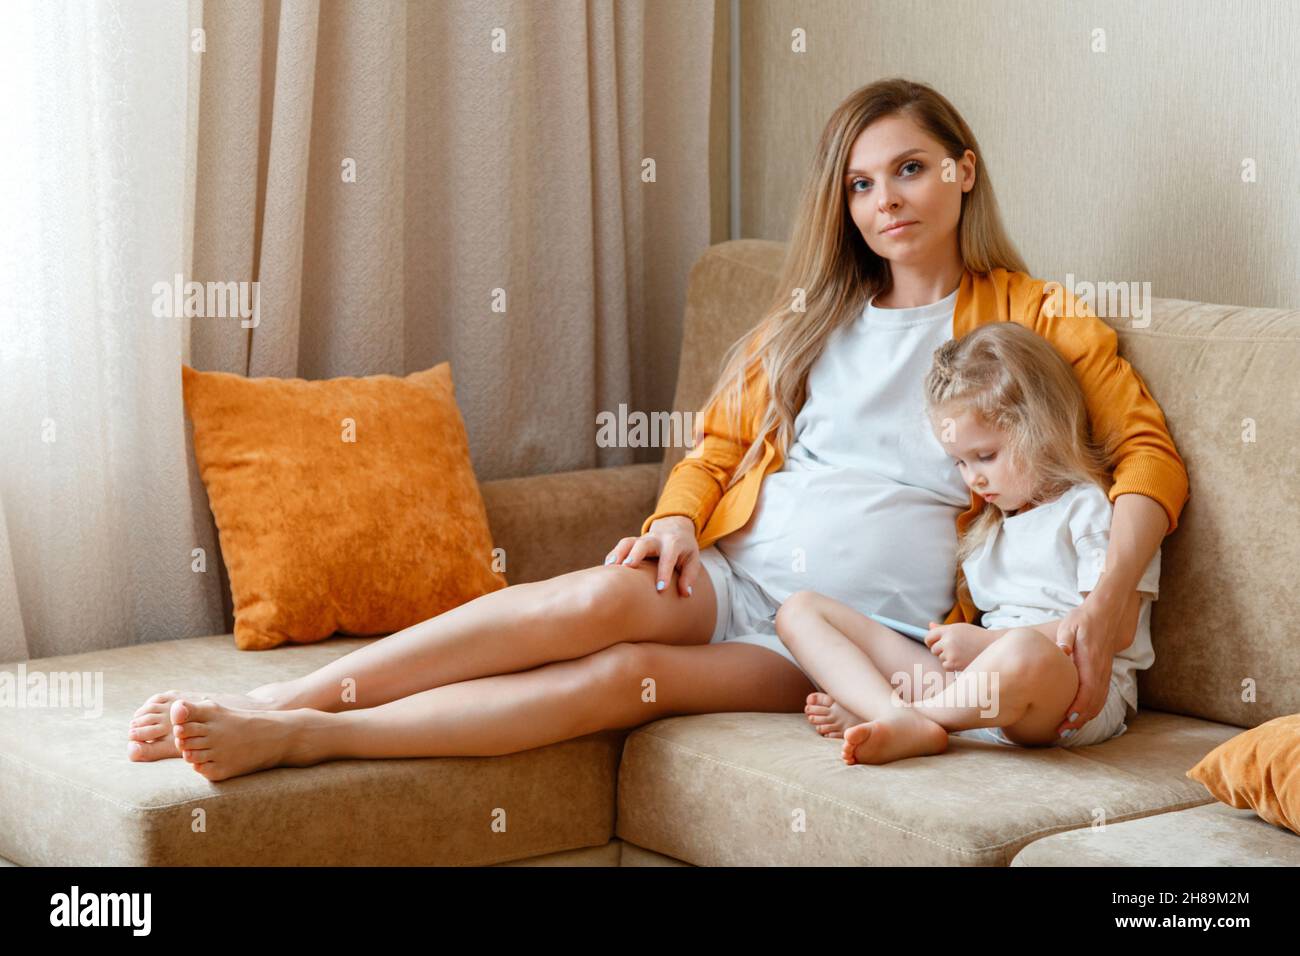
[{"x": 1146, "y": 461}]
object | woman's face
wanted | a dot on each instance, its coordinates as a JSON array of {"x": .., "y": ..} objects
[{"x": 895, "y": 175}]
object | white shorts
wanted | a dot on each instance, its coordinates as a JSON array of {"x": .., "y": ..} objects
[
  {"x": 746, "y": 613},
  {"x": 1107, "y": 724}
]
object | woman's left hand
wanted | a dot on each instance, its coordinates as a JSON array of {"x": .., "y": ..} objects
[{"x": 1091, "y": 634}]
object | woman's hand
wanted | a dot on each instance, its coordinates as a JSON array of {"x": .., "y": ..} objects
[
  {"x": 956, "y": 645},
  {"x": 673, "y": 539},
  {"x": 1106, "y": 622}
]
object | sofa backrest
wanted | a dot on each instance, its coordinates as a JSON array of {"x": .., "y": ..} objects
[{"x": 1225, "y": 628}]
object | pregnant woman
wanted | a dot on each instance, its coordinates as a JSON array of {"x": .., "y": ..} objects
[{"x": 815, "y": 470}]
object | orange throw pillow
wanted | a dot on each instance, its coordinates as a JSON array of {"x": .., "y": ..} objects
[
  {"x": 1259, "y": 770},
  {"x": 348, "y": 504}
]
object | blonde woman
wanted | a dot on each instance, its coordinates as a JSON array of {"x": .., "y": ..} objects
[{"x": 809, "y": 473}]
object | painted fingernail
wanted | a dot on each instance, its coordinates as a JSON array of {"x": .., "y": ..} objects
[
  {"x": 660, "y": 586},
  {"x": 1075, "y": 715},
  {"x": 690, "y": 589},
  {"x": 609, "y": 559},
  {"x": 628, "y": 559},
  {"x": 1064, "y": 733}
]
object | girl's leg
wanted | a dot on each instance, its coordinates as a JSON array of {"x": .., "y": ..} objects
[
  {"x": 817, "y": 628},
  {"x": 1025, "y": 686},
  {"x": 1021, "y": 683},
  {"x": 908, "y": 666},
  {"x": 621, "y": 686}
]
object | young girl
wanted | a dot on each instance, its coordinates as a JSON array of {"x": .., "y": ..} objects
[{"x": 1007, "y": 408}]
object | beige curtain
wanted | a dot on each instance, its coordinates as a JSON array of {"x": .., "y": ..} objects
[
  {"x": 498, "y": 151},
  {"x": 385, "y": 172}
]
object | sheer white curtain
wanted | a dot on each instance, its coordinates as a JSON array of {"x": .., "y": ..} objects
[{"x": 98, "y": 515}]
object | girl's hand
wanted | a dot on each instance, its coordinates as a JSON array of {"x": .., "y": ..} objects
[
  {"x": 673, "y": 539},
  {"x": 956, "y": 645}
]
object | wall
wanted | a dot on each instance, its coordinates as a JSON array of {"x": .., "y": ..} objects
[{"x": 1123, "y": 165}]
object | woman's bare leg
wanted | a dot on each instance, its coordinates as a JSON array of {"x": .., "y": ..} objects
[
  {"x": 517, "y": 628},
  {"x": 513, "y": 629},
  {"x": 504, "y": 631},
  {"x": 621, "y": 686}
]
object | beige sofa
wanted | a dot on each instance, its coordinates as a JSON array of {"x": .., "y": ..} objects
[{"x": 751, "y": 788}]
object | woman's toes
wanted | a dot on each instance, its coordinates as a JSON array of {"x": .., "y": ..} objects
[
  {"x": 196, "y": 755},
  {"x": 208, "y": 770},
  {"x": 143, "y": 750}
]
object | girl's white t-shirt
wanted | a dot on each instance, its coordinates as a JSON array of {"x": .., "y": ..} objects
[
  {"x": 864, "y": 507},
  {"x": 1035, "y": 567}
]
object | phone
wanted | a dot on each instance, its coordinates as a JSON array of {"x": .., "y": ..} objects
[{"x": 908, "y": 629}]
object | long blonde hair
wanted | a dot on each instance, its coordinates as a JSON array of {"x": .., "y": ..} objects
[
  {"x": 1012, "y": 380},
  {"x": 838, "y": 272}
]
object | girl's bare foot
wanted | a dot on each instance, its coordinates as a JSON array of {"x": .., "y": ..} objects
[
  {"x": 221, "y": 742},
  {"x": 149, "y": 735},
  {"x": 827, "y": 717},
  {"x": 905, "y": 734}
]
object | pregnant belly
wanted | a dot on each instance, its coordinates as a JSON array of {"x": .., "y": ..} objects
[{"x": 878, "y": 546}]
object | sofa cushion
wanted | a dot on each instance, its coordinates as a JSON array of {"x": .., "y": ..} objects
[
  {"x": 1258, "y": 770},
  {"x": 765, "y": 789},
  {"x": 347, "y": 504},
  {"x": 1212, "y": 835},
  {"x": 70, "y": 796}
]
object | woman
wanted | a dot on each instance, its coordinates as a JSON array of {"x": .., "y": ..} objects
[{"x": 647, "y": 635}]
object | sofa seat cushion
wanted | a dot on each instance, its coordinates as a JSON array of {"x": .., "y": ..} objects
[
  {"x": 1213, "y": 835},
  {"x": 765, "y": 789},
  {"x": 69, "y": 795}
]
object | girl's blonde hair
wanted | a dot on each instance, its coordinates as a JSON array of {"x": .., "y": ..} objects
[
  {"x": 1012, "y": 380},
  {"x": 829, "y": 261}
]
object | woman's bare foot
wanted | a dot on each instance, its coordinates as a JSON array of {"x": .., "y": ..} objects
[
  {"x": 221, "y": 742},
  {"x": 149, "y": 736},
  {"x": 827, "y": 717},
  {"x": 905, "y": 734}
]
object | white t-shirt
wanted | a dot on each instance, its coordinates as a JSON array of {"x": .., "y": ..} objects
[
  {"x": 1034, "y": 567},
  {"x": 865, "y": 504}
]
